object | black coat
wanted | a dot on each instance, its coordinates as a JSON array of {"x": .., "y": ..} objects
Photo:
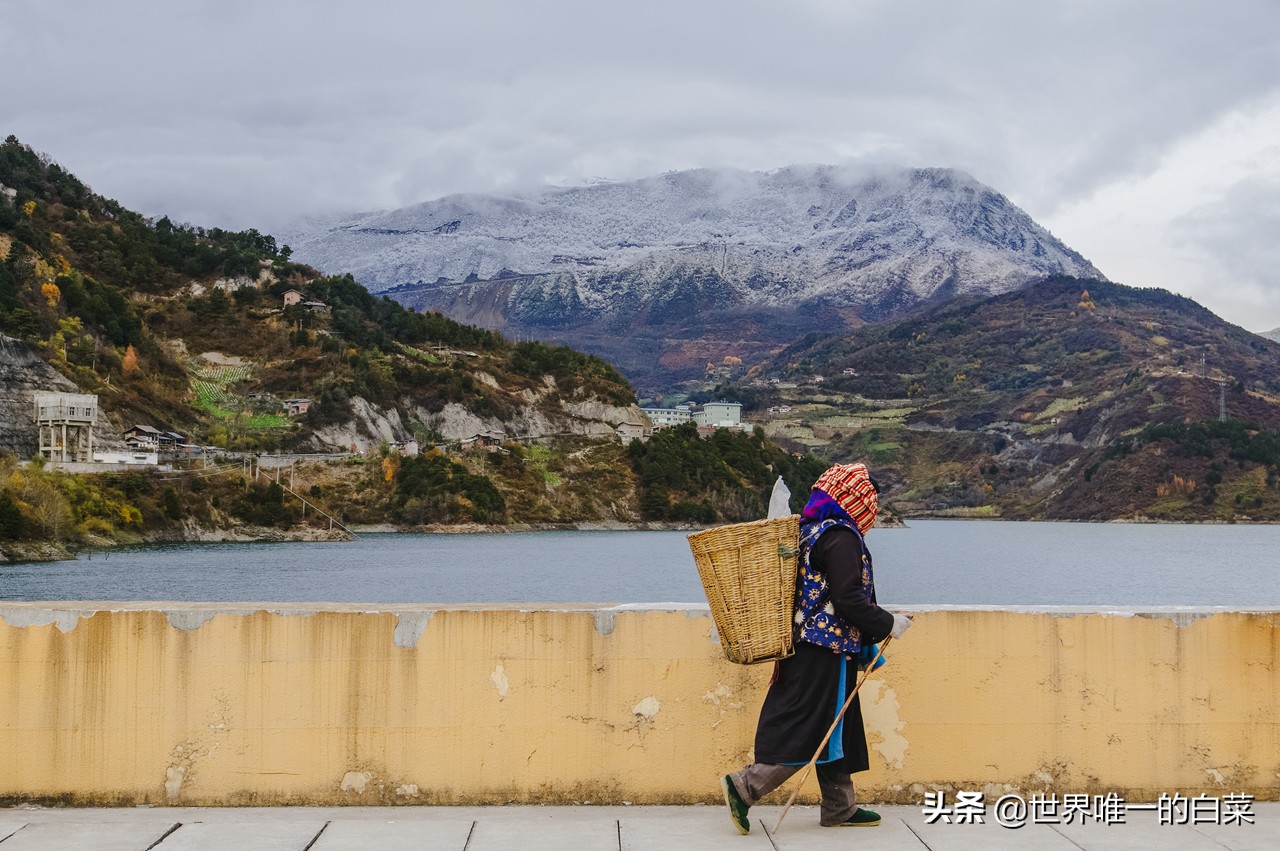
[{"x": 805, "y": 694}]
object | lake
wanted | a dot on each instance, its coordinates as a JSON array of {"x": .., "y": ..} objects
[{"x": 932, "y": 562}]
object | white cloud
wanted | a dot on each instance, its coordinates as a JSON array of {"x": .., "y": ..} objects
[{"x": 1201, "y": 222}]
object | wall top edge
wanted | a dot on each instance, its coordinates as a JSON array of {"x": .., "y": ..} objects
[{"x": 305, "y": 608}]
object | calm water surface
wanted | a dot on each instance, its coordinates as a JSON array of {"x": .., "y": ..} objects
[{"x": 933, "y": 562}]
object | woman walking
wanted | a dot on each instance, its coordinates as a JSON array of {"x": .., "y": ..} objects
[{"x": 836, "y": 620}]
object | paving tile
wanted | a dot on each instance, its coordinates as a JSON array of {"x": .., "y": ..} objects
[
  {"x": 686, "y": 828},
  {"x": 63, "y": 835},
  {"x": 525, "y": 828},
  {"x": 980, "y": 837},
  {"x": 801, "y": 832},
  {"x": 9, "y": 826},
  {"x": 1138, "y": 833},
  {"x": 514, "y": 828},
  {"x": 1262, "y": 835},
  {"x": 415, "y": 833},
  {"x": 222, "y": 834}
]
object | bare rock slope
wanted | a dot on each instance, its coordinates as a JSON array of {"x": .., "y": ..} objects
[{"x": 23, "y": 374}]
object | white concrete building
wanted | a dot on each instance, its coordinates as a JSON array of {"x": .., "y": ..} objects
[
  {"x": 65, "y": 423},
  {"x": 711, "y": 415},
  {"x": 668, "y": 417},
  {"x": 132, "y": 457},
  {"x": 720, "y": 415}
]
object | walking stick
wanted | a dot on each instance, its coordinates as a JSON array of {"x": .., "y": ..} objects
[{"x": 836, "y": 723}]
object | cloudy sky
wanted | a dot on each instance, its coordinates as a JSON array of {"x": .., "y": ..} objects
[{"x": 1146, "y": 135}]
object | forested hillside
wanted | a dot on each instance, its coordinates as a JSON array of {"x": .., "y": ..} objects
[
  {"x": 1070, "y": 399},
  {"x": 207, "y": 332}
]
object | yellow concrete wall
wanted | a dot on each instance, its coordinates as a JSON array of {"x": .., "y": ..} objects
[{"x": 323, "y": 704}]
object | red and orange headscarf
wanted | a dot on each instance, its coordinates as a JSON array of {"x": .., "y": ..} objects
[{"x": 850, "y": 486}]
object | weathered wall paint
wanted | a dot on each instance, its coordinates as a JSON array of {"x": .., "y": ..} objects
[{"x": 328, "y": 704}]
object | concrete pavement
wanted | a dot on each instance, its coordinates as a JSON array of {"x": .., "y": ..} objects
[{"x": 589, "y": 828}]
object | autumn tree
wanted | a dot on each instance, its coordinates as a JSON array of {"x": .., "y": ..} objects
[
  {"x": 130, "y": 362},
  {"x": 46, "y": 507}
]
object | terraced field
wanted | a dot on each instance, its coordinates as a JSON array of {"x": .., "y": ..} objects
[
  {"x": 213, "y": 388},
  {"x": 821, "y": 421}
]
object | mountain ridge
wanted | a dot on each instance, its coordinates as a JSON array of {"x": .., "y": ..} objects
[
  {"x": 687, "y": 253},
  {"x": 716, "y": 209},
  {"x": 1073, "y": 400}
]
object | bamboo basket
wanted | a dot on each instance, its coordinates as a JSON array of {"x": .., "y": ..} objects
[{"x": 748, "y": 571}]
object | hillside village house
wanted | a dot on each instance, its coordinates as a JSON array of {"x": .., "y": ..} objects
[
  {"x": 147, "y": 437},
  {"x": 292, "y": 297},
  {"x": 484, "y": 439},
  {"x": 142, "y": 437},
  {"x": 631, "y": 431},
  {"x": 297, "y": 407}
]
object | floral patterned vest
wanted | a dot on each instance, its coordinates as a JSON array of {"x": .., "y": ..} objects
[{"x": 816, "y": 618}]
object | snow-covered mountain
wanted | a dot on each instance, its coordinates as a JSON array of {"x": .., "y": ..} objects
[
  {"x": 717, "y": 256},
  {"x": 1273, "y": 334}
]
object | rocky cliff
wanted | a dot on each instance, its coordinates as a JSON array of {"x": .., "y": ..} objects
[{"x": 23, "y": 373}]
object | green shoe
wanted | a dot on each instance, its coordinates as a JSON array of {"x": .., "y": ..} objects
[
  {"x": 737, "y": 808},
  {"x": 861, "y": 818}
]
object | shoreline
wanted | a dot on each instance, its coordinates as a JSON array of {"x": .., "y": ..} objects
[
  {"x": 517, "y": 528},
  {"x": 33, "y": 552}
]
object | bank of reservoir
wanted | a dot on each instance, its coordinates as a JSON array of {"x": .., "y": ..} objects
[{"x": 934, "y": 562}]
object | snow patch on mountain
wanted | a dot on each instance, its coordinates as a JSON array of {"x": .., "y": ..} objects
[{"x": 854, "y": 236}]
